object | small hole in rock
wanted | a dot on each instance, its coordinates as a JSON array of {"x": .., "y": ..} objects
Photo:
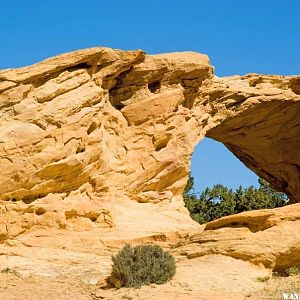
[
  {"x": 92, "y": 127},
  {"x": 40, "y": 211},
  {"x": 154, "y": 86},
  {"x": 80, "y": 150},
  {"x": 31, "y": 198},
  {"x": 119, "y": 105},
  {"x": 161, "y": 145},
  {"x": 235, "y": 224}
]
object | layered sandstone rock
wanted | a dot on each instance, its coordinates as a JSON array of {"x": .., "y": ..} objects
[
  {"x": 95, "y": 149},
  {"x": 263, "y": 127},
  {"x": 269, "y": 237}
]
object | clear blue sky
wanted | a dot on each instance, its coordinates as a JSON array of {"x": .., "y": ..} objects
[{"x": 260, "y": 36}]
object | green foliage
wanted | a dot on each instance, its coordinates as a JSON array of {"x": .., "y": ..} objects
[
  {"x": 263, "y": 279},
  {"x": 142, "y": 265},
  {"x": 219, "y": 201},
  {"x": 295, "y": 270}
]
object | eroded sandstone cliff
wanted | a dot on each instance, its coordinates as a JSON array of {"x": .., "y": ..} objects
[
  {"x": 82, "y": 129},
  {"x": 95, "y": 149}
]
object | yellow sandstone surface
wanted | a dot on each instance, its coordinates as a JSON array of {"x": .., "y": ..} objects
[{"x": 95, "y": 149}]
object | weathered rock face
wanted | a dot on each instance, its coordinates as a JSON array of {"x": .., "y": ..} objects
[
  {"x": 83, "y": 132},
  {"x": 95, "y": 149},
  {"x": 263, "y": 127},
  {"x": 268, "y": 237}
]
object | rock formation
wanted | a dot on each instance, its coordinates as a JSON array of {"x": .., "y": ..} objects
[
  {"x": 267, "y": 237},
  {"x": 100, "y": 141}
]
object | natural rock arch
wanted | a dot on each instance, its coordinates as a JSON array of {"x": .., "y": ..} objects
[{"x": 86, "y": 129}]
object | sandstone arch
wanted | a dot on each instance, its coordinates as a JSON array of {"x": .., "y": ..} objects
[
  {"x": 86, "y": 129},
  {"x": 95, "y": 148}
]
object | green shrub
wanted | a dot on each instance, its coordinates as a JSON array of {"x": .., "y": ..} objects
[
  {"x": 142, "y": 265},
  {"x": 295, "y": 270},
  {"x": 219, "y": 201},
  {"x": 263, "y": 279}
]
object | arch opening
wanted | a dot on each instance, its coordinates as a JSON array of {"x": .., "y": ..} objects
[
  {"x": 221, "y": 185},
  {"x": 212, "y": 163}
]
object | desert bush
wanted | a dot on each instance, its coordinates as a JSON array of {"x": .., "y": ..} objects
[
  {"x": 295, "y": 270},
  {"x": 142, "y": 265},
  {"x": 263, "y": 279}
]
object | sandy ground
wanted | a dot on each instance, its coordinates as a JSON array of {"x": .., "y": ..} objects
[
  {"x": 15, "y": 287},
  {"x": 43, "y": 266},
  {"x": 211, "y": 277},
  {"x": 276, "y": 286}
]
